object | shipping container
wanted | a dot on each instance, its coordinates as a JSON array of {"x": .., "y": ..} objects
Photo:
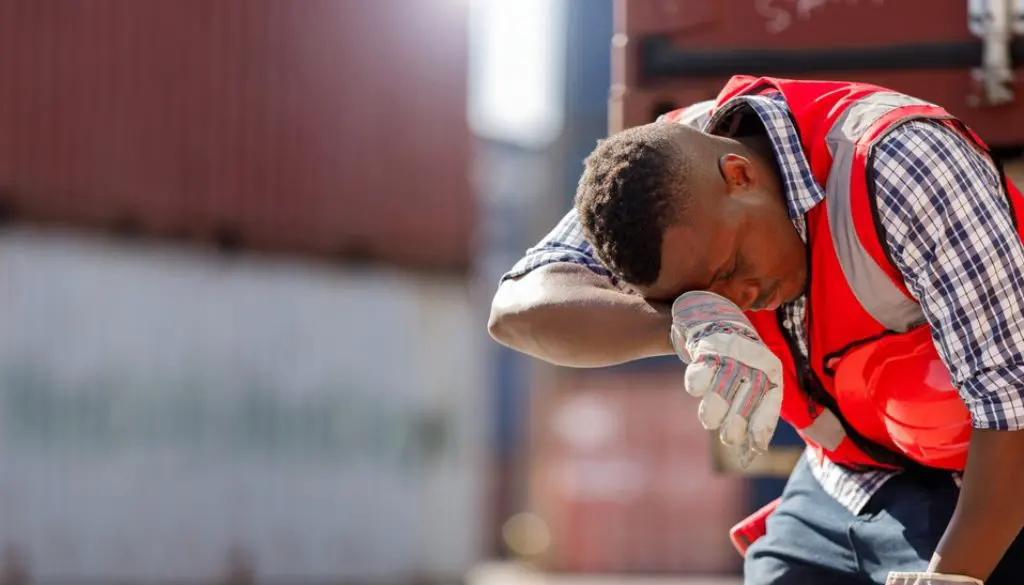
[
  {"x": 164, "y": 411},
  {"x": 622, "y": 480},
  {"x": 325, "y": 127},
  {"x": 670, "y": 53}
]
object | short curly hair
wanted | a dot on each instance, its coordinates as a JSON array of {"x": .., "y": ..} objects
[{"x": 634, "y": 186}]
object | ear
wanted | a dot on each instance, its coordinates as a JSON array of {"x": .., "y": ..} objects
[{"x": 738, "y": 172}]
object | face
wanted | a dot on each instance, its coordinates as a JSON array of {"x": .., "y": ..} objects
[{"x": 740, "y": 242}]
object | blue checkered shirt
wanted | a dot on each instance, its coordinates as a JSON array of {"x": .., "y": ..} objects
[{"x": 951, "y": 233}]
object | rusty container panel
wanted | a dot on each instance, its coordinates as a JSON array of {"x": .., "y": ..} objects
[
  {"x": 621, "y": 476},
  {"x": 318, "y": 127},
  {"x": 669, "y": 53}
]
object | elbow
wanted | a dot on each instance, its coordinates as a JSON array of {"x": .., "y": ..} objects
[
  {"x": 497, "y": 325},
  {"x": 527, "y": 316},
  {"x": 503, "y": 324},
  {"x": 520, "y": 326}
]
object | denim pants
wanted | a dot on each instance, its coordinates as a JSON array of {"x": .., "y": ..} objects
[{"x": 812, "y": 539}]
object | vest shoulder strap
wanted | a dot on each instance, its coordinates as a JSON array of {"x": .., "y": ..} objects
[{"x": 852, "y": 210}]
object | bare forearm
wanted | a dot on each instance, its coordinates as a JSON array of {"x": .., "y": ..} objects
[
  {"x": 599, "y": 331},
  {"x": 573, "y": 320},
  {"x": 990, "y": 512}
]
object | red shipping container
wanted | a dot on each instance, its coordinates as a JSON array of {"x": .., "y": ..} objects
[
  {"x": 670, "y": 53},
  {"x": 318, "y": 127},
  {"x": 621, "y": 474}
]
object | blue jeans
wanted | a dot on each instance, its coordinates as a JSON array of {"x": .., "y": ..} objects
[{"x": 811, "y": 539}]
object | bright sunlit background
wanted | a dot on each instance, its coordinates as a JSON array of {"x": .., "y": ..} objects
[{"x": 517, "y": 70}]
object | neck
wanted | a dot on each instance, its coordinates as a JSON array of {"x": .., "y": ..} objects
[
  {"x": 760, "y": 146},
  {"x": 759, "y": 149}
]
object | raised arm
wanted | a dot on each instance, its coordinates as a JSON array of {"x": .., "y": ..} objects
[{"x": 559, "y": 304}]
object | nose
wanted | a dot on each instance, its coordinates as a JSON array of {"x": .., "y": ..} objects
[{"x": 742, "y": 292}]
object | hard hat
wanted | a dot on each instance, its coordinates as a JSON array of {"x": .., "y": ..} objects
[{"x": 897, "y": 391}]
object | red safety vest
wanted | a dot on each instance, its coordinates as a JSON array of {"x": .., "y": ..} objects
[{"x": 875, "y": 392}]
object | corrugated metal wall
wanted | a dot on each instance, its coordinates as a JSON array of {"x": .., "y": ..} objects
[
  {"x": 674, "y": 52},
  {"x": 622, "y": 480},
  {"x": 163, "y": 410},
  {"x": 332, "y": 127}
]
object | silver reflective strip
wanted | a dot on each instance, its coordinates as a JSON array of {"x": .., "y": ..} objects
[
  {"x": 826, "y": 431},
  {"x": 697, "y": 114},
  {"x": 872, "y": 287}
]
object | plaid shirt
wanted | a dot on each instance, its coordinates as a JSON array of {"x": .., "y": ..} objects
[{"x": 951, "y": 234}]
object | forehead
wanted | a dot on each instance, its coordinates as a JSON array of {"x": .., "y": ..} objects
[{"x": 690, "y": 257}]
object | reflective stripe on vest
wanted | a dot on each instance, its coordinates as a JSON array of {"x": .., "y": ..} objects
[
  {"x": 698, "y": 114},
  {"x": 695, "y": 115},
  {"x": 875, "y": 291},
  {"x": 826, "y": 430}
]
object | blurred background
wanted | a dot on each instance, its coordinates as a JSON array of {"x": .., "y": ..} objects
[{"x": 247, "y": 250}]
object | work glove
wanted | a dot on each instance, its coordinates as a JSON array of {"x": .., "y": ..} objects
[
  {"x": 930, "y": 579},
  {"x": 728, "y": 366}
]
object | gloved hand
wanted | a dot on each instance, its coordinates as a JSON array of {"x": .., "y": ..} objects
[
  {"x": 930, "y": 579},
  {"x": 738, "y": 378}
]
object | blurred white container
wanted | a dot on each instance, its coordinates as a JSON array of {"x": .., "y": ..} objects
[{"x": 159, "y": 408}]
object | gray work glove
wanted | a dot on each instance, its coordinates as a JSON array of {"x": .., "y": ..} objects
[
  {"x": 897, "y": 578},
  {"x": 728, "y": 366}
]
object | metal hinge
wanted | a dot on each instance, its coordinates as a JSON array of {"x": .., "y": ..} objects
[{"x": 995, "y": 22}]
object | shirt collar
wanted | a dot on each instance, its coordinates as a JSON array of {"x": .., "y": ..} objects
[{"x": 802, "y": 191}]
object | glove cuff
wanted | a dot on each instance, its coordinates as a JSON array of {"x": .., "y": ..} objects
[{"x": 912, "y": 578}]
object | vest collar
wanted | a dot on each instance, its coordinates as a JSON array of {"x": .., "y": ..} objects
[{"x": 802, "y": 191}]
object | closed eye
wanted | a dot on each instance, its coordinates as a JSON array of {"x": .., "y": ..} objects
[{"x": 731, "y": 271}]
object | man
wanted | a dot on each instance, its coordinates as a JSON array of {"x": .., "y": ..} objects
[{"x": 793, "y": 241}]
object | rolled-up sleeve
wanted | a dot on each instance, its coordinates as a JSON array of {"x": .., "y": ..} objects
[
  {"x": 564, "y": 243},
  {"x": 950, "y": 231}
]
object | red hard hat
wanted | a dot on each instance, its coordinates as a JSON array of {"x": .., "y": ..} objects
[{"x": 897, "y": 391}]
